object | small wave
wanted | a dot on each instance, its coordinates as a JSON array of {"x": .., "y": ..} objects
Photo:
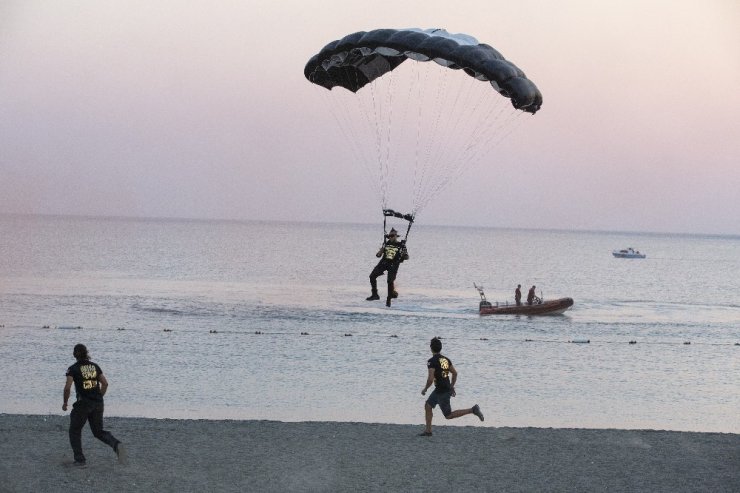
[
  {"x": 157, "y": 309},
  {"x": 185, "y": 308},
  {"x": 434, "y": 310},
  {"x": 684, "y": 304},
  {"x": 170, "y": 311}
]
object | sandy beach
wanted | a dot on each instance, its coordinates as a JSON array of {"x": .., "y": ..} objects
[{"x": 199, "y": 455}]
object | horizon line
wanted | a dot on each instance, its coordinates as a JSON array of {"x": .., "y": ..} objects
[{"x": 293, "y": 221}]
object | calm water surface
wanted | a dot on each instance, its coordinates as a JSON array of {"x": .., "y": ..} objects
[{"x": 149, "y": 293}]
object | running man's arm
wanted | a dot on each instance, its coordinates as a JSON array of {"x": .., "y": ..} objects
[
  {"x": 453, "y": 372},
  {"x": 67, "y": 388},
  {"x": 103, "y": 384},
  {"x": 430, "y": 381}
]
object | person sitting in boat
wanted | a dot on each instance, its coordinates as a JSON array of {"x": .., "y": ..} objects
[
  {"x": 531, "y": 296},
  {"x": 391, "y": 254},
  {"x": 518, "y": 295}
]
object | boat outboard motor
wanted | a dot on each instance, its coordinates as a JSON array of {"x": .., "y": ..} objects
[{"x": 483, "y": 301}]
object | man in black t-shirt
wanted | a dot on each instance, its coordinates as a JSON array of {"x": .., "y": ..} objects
[
  {"x": 90, "y": 387},
  {"x": 439, "y": 368},
  {"x": 391, "y": 254}
]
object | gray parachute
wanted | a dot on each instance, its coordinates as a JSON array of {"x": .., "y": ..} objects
[{"x": 360, "y": 58}]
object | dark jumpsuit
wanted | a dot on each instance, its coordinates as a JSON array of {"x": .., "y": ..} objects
[{"x": 392, "y": 254}]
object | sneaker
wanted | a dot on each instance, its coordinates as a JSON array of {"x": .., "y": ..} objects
[
  {"x": 425, "y": 434},
  {"x": 394, "y": 295},
  {"x": 79, "y": 463},
  {"x": 476, "y": 411},
  {"x": 120, "y": 451},
  {"x": 388, "y": 302},
  {"x": 373, "y": 297}
]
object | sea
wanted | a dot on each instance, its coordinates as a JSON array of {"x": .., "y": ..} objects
[{"x": 195, "y": 319}]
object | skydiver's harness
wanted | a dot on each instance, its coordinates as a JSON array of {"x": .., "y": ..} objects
[{"x": 391, "y": 213}]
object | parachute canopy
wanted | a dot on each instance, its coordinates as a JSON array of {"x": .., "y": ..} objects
[
  {"x": 416, "y": 127},
  {"x": 358, "y": 59}
]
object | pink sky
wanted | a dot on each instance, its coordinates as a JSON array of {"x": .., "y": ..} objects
[{"x": 201, "y": 109}]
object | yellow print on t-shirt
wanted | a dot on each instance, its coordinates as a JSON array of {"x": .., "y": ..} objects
[
  {"x": 444, "y": 363},
  {"x": 390, "y": 252},
  {"x": 89, "y": 376}
]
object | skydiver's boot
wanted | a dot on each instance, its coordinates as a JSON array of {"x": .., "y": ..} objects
[
  {"x": 388, "y": 301},
  {"x": 374, "y": 290},
  {"x": 394, "y": 294}
]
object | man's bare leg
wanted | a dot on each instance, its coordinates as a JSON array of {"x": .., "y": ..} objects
[
  {"x": 428, "y": 418},
  {"x": 462, "y": 412}
]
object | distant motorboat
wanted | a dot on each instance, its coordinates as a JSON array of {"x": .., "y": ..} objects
[
  {"x": 628, "y": 253},
  {"x": 538, "y": 307}
]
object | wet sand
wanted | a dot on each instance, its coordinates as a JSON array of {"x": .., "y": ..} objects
[{"x": 198, "y": 455}]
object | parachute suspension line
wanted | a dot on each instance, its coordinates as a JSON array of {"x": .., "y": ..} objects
[
  {"x": 483, "y": 135},
  {"x": 367, "y": 107},
  {"x": 499, "y": 122},
  {"x": 400, "y": 90},
  {"x": 432, "y": 138},
  {"x": 460, "y": 115},
  {"x": 417, "y": 147},
  {"x": 447, "y": 159},
  {"x": 518, "y": 121},
  {"x": 367, "y": 129},
  {"x": 484, "y": 127},
  {"x": 466, "y": 159},
  {"x": 394, "y": 88},
  {"x": 382, "y": 100},
  {"x": 388, "y": 133},
  {"x": 506, "y": 128},
  {"x": 461, "y": 123},
  {"x": 382, "y": 168},
  {"x": 497, "y": 134},
  {"x": 388, "y": 125},
  {"x": 435, "y": 144},
  {"x": 349, "y": 130},
  {"x": 427, "y": 140},
  {"x": 483, "y": 116},
  {"x": 454, "y": 116},
  {"x": 487, "y": 131}
]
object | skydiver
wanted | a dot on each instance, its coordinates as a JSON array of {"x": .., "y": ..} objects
[{"x": 391, "y": 254}]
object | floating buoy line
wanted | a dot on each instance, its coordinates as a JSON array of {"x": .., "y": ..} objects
[
  {"x": 482, "y": 339},
  {"x": 486, "y": 339}
]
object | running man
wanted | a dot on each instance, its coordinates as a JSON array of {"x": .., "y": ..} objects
[
  {"x": 90, "y": 387},
  {"x": 439, "y": 369}
]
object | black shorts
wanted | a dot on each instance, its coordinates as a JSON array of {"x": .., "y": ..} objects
[{"x": 441, "y": 398}]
